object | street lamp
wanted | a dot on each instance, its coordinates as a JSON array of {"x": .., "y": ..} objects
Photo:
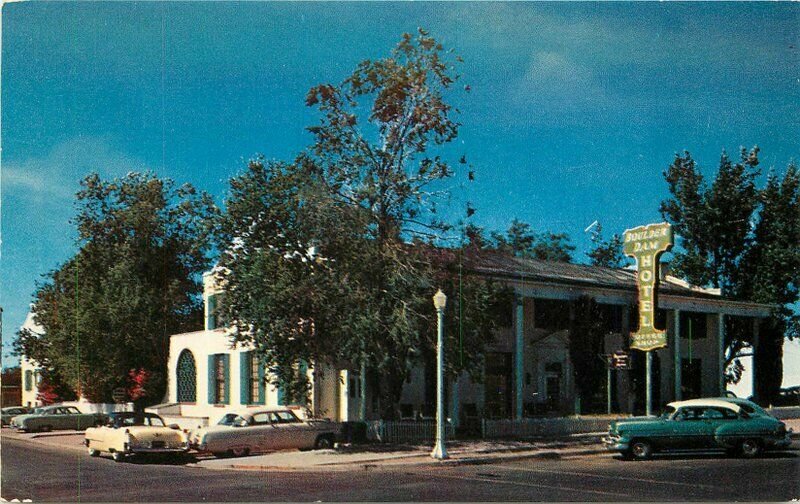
[{"x": 439, "y": 302}]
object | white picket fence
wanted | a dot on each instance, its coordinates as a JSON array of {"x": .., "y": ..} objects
[
  {"x": 535, "y": 427},
  {"x": 405, "y": 431}
]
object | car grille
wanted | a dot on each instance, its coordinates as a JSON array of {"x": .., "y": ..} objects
[{"x": 157, "y": 444}]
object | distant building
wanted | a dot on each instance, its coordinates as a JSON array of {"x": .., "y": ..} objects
[
  {"x": 528, "y": 370},
  {"x": 30, "y": 369}
]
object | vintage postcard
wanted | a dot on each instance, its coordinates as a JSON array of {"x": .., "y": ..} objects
[{"x": 400, "y": 251}]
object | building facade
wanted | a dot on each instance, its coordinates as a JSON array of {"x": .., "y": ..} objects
[{"x": 528, "y": 370}]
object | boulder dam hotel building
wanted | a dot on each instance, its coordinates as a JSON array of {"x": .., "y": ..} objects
[{"x": 527, "y": 371}]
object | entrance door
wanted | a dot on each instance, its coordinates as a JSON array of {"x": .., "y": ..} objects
[{"x": 497, "y": 387}]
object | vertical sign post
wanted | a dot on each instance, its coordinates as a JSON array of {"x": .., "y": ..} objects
[{"x": 646, "y": 244}]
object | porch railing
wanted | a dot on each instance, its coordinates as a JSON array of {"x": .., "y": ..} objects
[{"x": 405, "y": 431}]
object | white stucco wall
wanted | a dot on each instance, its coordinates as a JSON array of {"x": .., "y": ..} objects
[{"x": 26, "y": 365}]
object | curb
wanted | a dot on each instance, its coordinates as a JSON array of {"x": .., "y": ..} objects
[{"x": 377, "y": 465}]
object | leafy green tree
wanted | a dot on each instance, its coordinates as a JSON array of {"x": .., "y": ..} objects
[
  {"x": 770, "y": 273},
  {"x": 743, "y": 240},
  {"x": 521, "y": 241},
  {"x": 713, "y": 222},
  {"x": 331, "y": 230},
  {"x": 135, "y": 280},
  {"x": 607, "y": 253}
]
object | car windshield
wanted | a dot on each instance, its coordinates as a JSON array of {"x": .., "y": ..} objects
[{"x": 232, "y": 419}]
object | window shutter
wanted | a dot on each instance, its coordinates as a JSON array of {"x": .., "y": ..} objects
[
  {"x": 212, "y": 381},
  {"x": 211, "y": 314},
  {"x": 281, "y": 396},
  {"x": 262, "y": 388},
  {"x": 28, "y": 381},
  {"x": 226, "y": 368},
  {"x": 244, "y": 377}
]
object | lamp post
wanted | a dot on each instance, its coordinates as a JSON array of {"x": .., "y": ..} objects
[{"x": 439, "y": 301}]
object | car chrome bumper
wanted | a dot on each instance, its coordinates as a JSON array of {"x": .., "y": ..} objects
[
  {"x": 615, "y": 443},
  {"x": 157, "y": 450}
]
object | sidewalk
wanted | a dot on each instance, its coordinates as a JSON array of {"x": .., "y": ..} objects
[{"x": 348, "y": 458}]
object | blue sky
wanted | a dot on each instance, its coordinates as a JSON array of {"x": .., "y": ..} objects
[{"x": 575, "y": 109}]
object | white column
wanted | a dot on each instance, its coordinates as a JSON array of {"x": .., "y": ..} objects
[
  {"x": 519, "y": 348},
  {"x": 678, "y": 369},
  {"x": 721, "y": 343}
]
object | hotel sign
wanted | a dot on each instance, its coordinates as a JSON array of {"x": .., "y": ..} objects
[{"x": 646, "y": 244}]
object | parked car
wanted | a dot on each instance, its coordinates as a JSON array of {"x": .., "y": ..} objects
[
  {"x": 130, "y": 433},
  {"x": 56, "y": 418},
  {"x": 748, "y": 406},
  {"x": 789, "y": 396},
  {"x": 698, "y": 424},
  {"x": 239, "y": 434},
  {"x": 6, "y": 414}
]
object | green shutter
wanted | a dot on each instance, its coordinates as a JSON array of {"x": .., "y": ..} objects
[
  {"x": 226, "y": 360},
  {"x": 28, "y": 381},
  {"x": 304, "y": 373},
  {"x": 281, "y": 395},
  {"x": 211, "y": 316},
  {"x": 244, "y": 377},
  {"x": 262, "y": 387},
  {"x": 212, "y": 382}
]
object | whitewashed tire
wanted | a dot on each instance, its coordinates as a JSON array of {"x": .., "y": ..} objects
[{"x": 641, "y": 450}]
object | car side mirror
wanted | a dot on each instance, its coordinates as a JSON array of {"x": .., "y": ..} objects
[{"x": 174, "y": 426}]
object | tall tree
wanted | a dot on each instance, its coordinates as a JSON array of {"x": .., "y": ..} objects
[
  {"x": 520, "y": 240},
  {"x": 743, "y": 240},
  {"x": 607, "y": 252},
  {"x": 339, "y": 231},
  {"x": 135, "y": 280}
]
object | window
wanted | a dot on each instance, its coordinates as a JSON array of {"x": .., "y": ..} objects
[
  {"x": 301, "y": 371},
  {"x": 255, "y": 385},
  {"x": 261, "y": 418},
  {"x": 251, "y": 379},
  {"x": 286, "y": 417},
  {"x": 28, "y": 380},
  {"x": 551, "y": 314},
  {"x": 219, "y": 372},
  {"x": 218, "y": 379},
  {"x": 214, "y": 317},
  {"x": 186, "y": 378},
  {"x": 693, "y": 325}
]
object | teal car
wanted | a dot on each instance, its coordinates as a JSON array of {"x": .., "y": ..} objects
[{"x": 698, "y": 424}]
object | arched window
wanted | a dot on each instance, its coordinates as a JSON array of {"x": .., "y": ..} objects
[{"x": 186, "y": 377}]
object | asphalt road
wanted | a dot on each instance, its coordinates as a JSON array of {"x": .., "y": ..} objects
[{"x": 42, "y": 473}]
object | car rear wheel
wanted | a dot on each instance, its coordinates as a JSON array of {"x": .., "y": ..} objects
[
  {"x": 641, "y": 449},
  {"x": 750, "y": 448},
  {"x": 241, "y": 451},
  {"x": 323, "y": 442},
  {"x": 46, "y": 428},
  {"x": 118, "y": 456}
]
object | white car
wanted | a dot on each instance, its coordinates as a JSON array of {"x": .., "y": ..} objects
[
  {"x": 239, "y": 434},
  {"x": 129, "y": 433}
]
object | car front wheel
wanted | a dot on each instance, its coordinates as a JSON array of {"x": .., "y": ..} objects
[
  {"x": 750, "y": 448},
  {"x": 93, "y": 452},
  {"x": 641, "y": 450},
  {"x": 118, "y": 456},
  {"x": 323, "y": 442}
]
